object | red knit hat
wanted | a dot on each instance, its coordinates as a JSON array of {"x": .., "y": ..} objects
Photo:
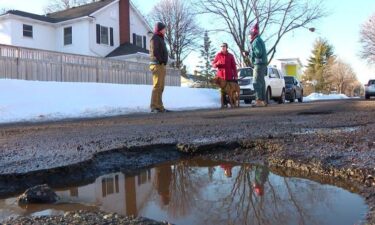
[
  {"x": 259, "y": 189},
  {"x": 254, "y": 31}
]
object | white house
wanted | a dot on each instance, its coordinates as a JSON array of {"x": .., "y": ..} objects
[
  {"x": 126, "y": 195},
  {"x": 107, "y": 28}
]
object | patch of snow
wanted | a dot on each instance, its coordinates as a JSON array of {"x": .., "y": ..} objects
[
  {"x": 22, "y": 101},
  {"x": 320, "y": 96}
]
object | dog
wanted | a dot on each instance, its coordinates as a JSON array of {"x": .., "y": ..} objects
[{"x": 232, "y": 89}]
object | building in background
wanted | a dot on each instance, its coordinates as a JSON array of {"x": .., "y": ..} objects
[
  {"x": 107, "y": 28},
  {"x": 290, "y": 67}
]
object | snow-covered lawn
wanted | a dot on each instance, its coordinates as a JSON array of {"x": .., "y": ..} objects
[
  {"x": 319, "y": 96},
  {"x": 40, "y": 101},
  {"x": 22, "y": 101}
]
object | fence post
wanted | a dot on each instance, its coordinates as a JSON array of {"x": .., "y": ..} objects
[
  {"x": 97, "y": 71},
  {"x": 18, "y": 63},
  {"x": 61, "y": 68}
]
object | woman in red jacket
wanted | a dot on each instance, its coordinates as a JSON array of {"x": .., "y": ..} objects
[{"x": 226, "y": 65}]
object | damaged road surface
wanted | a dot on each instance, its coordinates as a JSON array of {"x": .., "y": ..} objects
[{"x": 325, "y": 142}]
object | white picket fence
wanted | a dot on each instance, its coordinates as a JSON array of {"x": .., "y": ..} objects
[{"x": 33, "y": 64}]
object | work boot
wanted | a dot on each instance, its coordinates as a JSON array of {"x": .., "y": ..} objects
[
  {"x": 156, "y": 111},
  {"x": 259, "y": 103},
  {"x": 263, "y": 103}
]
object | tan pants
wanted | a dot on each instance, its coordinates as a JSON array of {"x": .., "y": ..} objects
[{"x": 158, "y": 77}]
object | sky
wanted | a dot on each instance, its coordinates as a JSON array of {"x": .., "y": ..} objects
[{"x": 341, "y": 28}]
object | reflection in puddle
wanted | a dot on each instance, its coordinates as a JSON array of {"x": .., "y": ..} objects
[{"x": 206, "y": 192}]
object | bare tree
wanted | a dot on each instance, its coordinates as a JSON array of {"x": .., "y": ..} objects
[
  {"x": 182, "y": 28},
  {"x": 341, "y": 77},
  {"x": 368, "y": 40},
  {"x": 58, "y": 5},
  {"x": 3, "y": 10},
  {"x": 276, "y": 18}
]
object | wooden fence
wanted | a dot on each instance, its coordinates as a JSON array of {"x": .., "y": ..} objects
[{"x": 33, "y": 64}]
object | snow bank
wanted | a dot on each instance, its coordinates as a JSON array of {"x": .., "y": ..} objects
[
  {"x": 41, "y": 101},
  {"x": 319, "y": 96}
]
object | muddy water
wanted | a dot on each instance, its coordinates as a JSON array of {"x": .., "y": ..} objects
[{"x": 206, "y": 192}]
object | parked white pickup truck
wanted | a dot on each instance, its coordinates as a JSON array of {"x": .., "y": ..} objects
[
  {"x": 275, "y": 85},
  {"x": 370, "y": 89}
]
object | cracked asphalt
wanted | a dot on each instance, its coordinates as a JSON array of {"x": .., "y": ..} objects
[{"x": 32, "y": 147}]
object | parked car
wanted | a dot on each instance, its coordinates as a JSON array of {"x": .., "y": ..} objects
[
  {"x": 370, "y": 89},
  {"x": 293, "y": 89},
  {"x": 275, "y": 85}
]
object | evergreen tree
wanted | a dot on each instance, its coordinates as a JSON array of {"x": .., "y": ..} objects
[
  {"x": 207, "y": 55},
  {"x": 322, "y": 54}
]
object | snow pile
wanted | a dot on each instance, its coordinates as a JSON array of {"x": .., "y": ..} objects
[
  {"x": 320, "y": 96},
  {"x": 40, "y": 101}
]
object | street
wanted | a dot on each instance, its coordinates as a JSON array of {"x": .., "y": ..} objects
[
  {"x": 28, "y": 147},
  {"x": 328, "y": 139}
]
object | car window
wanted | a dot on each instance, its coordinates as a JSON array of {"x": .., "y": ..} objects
[
  {"x": 277, "y": 75},
  {"x": 245, "y": 72},
  {"x": 288, "y": 80},
  {"x": 371, "y": 82},
  {"x": 271, "y": 73}
]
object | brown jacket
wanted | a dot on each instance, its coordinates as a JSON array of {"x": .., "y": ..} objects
[{"x": 158, "y": 50}]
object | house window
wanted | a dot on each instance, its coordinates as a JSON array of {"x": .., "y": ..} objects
[
  {"x": 68, "y": 36},
  {"x": 139, "y": 40},
  {"x": 104, "y": 35},
  {"x": 27, "y": 30},
  {"x": 110, "y": 186},
  {"x": 144, "y": 177}
]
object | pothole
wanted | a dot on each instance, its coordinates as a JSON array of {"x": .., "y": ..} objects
[
  {"x": 312, "y": 113},
  {"x": 197, "y": 191}
]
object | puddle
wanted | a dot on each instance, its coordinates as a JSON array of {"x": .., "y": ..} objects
[{"x": 206, "y": 192}]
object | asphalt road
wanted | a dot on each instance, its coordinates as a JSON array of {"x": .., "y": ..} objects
[{"x": 30, "y": 147}]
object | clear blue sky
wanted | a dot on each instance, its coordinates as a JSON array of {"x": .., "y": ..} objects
[{"x": 340, "y": 28}]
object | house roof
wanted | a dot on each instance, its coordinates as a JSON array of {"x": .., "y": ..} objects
[
  {"x": 72, "y": 13},
  {"x": 291, "y": 60},
  {"x": 31, "y": 16},
  {"x": 127, "y": 49},
  {"x": 79, "y": 11}
]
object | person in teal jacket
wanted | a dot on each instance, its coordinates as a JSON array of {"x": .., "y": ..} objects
[{"x": 259, "y": 61}]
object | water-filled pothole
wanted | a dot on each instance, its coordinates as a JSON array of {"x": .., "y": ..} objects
[{"x": 206, "y": 192}]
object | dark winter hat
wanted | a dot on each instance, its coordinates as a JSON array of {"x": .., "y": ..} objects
[
  {"x": 159, "y": 26},
  {"x": 224, "y": 45}
]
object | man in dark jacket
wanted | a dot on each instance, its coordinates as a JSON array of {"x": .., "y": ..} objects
[
  {"x": 227, "y": 70},
  {"x": 159, "y": 60}
]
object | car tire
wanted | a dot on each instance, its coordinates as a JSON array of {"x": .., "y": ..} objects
[
  {"x": 300, "y": 99},
  {"x": 367, "y": 97},
  {"x": 293, "y": 99},
  {"x": 282, "y": 97},
  {"x": 268, "y": 96},
  {"x": 247, "y": 101}
]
